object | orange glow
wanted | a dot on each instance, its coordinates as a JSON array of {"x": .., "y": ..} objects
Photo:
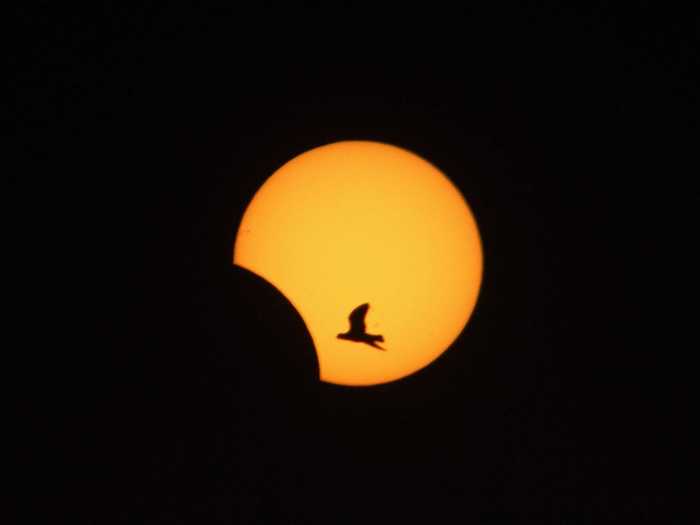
[{"x": 364, "y": 222}]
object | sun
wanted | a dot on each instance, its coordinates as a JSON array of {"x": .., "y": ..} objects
[{"x": 359, "y": 222}]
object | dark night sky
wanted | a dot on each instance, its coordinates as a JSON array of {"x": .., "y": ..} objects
[{"x": 165, "y": 386}]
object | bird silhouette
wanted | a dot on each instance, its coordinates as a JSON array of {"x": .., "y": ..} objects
[{"x": 357, "y": 331}]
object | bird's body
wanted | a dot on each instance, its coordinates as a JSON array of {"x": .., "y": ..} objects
[{"x": 357, "y": 331}]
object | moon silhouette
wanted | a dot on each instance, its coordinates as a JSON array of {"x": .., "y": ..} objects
[{"x": 358, "y": 222}]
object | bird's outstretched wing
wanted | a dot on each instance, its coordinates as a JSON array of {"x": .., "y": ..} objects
[{"x": 357, "y": 318}]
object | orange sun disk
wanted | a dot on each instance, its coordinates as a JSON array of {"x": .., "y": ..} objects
[{"x": 363, "y": 222}]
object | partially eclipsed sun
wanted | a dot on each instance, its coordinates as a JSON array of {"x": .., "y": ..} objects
[{"x": 364, "y": 222}]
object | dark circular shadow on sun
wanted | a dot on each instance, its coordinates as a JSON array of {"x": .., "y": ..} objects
[
  {"x": 274, "y": 350},
  {"x": 261, "y": 349},
  {"x": 215, "y": 420},
  {"x": 261, "y": 340}
]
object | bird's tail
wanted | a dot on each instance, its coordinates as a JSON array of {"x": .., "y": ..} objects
[{"x": 379, "y": 338}]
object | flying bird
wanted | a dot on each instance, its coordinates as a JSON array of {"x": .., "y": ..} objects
[{"x": 357, "y": 330}]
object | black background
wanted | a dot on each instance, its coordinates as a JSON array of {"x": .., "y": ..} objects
[{"x": 161, "y": 385}]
